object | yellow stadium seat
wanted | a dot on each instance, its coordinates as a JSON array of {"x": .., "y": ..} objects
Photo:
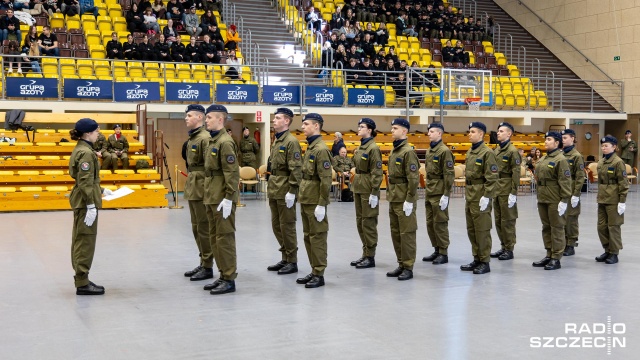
[
  {"x": 151, "y": 70},
  {"x": 56, "y": 21},
  {"x": 7, "y": 189},
  {"x": 119, "y": 69},
  {"x": 72, "y": 22},
  {"x": 132, "y": 186},
  {"x": 119, "y": 23},
  {"x": 31, "y": 188},
  {"x": 114, "y": 10},
  {"x": 542, "y": 99},
  {"x": 104, "y": 24},
  {"x": 92, "y": 37},
  {"x": 87, "y": 19},
  {"x": 85, "y": 68},
  {"x": 102, "y": 8},
  {"x": 6, "y": 173},
  {"x": 199, "y": 72},
  {"x": 135, "y": 69},
  {"x": 53, "y": 172},
  {"x": 154, "y": 187},
  {"x": 67, "y": 67},
  {"x": 169, "y": 70},
  {"x": 97, "y": 52},
  {"x": 509, "y": 99},
  {"x": 122, "y": 36},
  {"x": 28, "y": 172},
  {"x": 102, "y": 68},
  {"x": 49, "y": 65},
  {"x": 123, "y": 171},
  {"x": 184, "y": 71},
  {"x": 58, "y": 188}
]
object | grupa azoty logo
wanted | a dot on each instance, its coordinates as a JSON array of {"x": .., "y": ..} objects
[
  {"x": 237, "y": 94},
  {"x": 366, "y": 98},
  {"x": 188, "y": 93},
  {"x": 283, "y": 95},
  {"x": 88, "y": 90},
  {"x": 31, "y": 88},
  {"x": 324, "y": 96},
  {"x": 137, "y": 93}
]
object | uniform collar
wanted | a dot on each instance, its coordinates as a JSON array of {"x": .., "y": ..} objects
[
  {"x": 364, "y": 141},
  {"x": 398, "y": 143},
  {"x": 476, "y": 145},
  {"x": 435, "y": 143},
  {"x": 552, "y": 152},
  {"x": 568, "y": 148},
  {"x": 88, "y": 142},
  {"x": 312, "y": 138},
  {"x": 193, "y": 131},
  {"x": 504, "y": 144},
  {"x": 278, "y": 135},
  {"x": 214, "y": 133},
  {"x": 608, "y": 156}
]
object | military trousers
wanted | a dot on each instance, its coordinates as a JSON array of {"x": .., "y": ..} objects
[
  {"x": 249, "y": 159},
  {"x": 609, "y": 231},
  {"x": 200, "y": 229},
  {"x": 572, "y": 229},
  {"x": 222, "y": 235},
  {"x": 403, "y": 234},
  {"x": 112, "y": 161},
  {"x": 629, "y": 162},
  {"x": 479, "y": 230},
  {"x": 83, "y": 246},
  {"x": 505, "y": 218},
  {"x": 552, "y": 229},
  {"x": 106, "y": 160},
  {"x": 367, "y": 224},
  {"x": 283, "y": 223},
  {"x": 315, "y": 238},
  {"x": 437, "y": 223}
]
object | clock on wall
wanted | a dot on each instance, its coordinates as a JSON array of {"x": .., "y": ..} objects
[{"x": 588, "y": 136}]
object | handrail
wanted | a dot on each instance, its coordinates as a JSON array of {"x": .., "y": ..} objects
[
  {"x": 509, "y": 47},
  {"x": 522, "y": 64},
  {"x": 564, "y": 40}
]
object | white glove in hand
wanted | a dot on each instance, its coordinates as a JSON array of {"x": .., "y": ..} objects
[
  {"x": 444, "y": 202},
  {"x": 320, "y": 212},
  {"x": 484, "y": 202},
  {"x": 225, "y": 205},
  {"x": 373, "y": 201},
  {"x": 107, "y": 192},
  {"x": 562, "y": 207},
  {"x": 621, "y": 208},
  {"x": 289, "y": 199},
  {"x": 407, "y": 207},
  {"x": 92, "y": 213},
  {"x": 574, "y": 201},
  {"x": 512, "y": 200}
]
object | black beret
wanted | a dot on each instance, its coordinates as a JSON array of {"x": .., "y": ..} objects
[
  {"x": 217, "y": 108},
  {"x": 478, "y": 125},
  {"x": 313, "y": 116},
  {"x": 401, "y": 122},
  {"x": 116, "y": 126},
  {"x": 436, "y": 125},
  {"x": 507, "y": 125},
  {"x": 627, "y": 132},
  {"x": 245, "y": 128},
  {"x": 554, "y": 134},
  {"x": 284, "y": 111},
  {"x": 568, "y": 132},
  {"x": 368, "y": 121},
  {"x": 86, "y": 125},
  {"x": 609, "y": 139},
  {"x": 195, "y": 107}
]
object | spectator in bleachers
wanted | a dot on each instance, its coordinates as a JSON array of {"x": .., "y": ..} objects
[
  {"x": 6, "y": 5},
  {"x": 432, "y": 77},
  {"x": 388, "y": 12},
  {"x": 349, "y": 15},
  {"x": 192, "y": 51},
  {"x": 207, "y": 22},
  {"x": 175, "y": 11},
  {"x": 351, "y": 70},
  {"x": 191, "y": 22},
  {"x": 437, "y": 29},
  {"x": 342, "y": 40},
  {"x": 130, "y": 49},
  {"x": 118, "y": 146},
  {"x": 10, "y": 26},
  {"x": 458, "y": 28},
  {"x": 135, "y": 19},
  {"x": 402, "y": 28},
  {"x": 114, "y": 48},
  {"x": 392, "y": 55},
  {"x": 233, "y": 39},
  {"x": 373, "y": 10},
  {"x": 341, "y": 56},
  {"x": 448, "y": 52},
  {"x": 159, "y": 9},
  {"x": 162, "y": 49},
  {"x": 208, "y": 52},
  {"x": 337, "y": 20},
  {"x": 367, "y": 46},
  {"x": 377, "y": 67},
  {"x": 361, "y": 11},
  {"x": 368, "y": 76},
  {"x": 353, "y": 53},
  {"x": 327, "y": 60},
  {"x": 48, "y": 43},
  {"x": 314, "y": 21},
  {"x": 369, "y": 30},
  {"x": 150, "y": 22},
  {"x": 169, "y": 32},
  {"x": 358, "y": 29},
  {"x": 349, "y": 30},
  {"x": 478, "y": 31},
  {"x": 178, "y": 50},
  {"x": 145, "y": 49},
  {"x": 36, "y": 8},
  {"x": 70, "y": 7},
  {"x": 18, "y": 5},
  {"x": 381, "y": 56},
  {"x": 391, "y": 71},
  {"x": 216, "y": 38},
  {"x": 333, "y": 40},
  {"x": 399, "y": 85},
  {"x": 382, "y": 35},
  {"x": 234, "y": 68},
  {"x": 88, "y": 6},
  {"x": 28, "y": 51},
  {"x": 460, "y": 55},
  {"x": 338, "y": 143},
  {"x": 52, "y": 6},
  {"x": 12, "y": 56},
  {"x": 447, "y": 29},
  {"x": 32, "y": 36},
  {"x": 213, "y": 5},
  {"x": 424, "y": 25}
]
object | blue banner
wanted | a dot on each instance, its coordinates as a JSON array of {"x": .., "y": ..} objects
[
  {"x": 365, "y": 97},
  {"x": 236, "y": 93},
  {"x": 137, "y": 91},
  {"x": 87, "y": 89},
  {"x": 281, "y": 94},
  {"x": 188, "y": 92},
  {"x": 31, "y": 87},
  {"x": 319, "y": 95}
]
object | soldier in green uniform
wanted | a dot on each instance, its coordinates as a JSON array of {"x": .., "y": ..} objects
[
  {"x": 366, "y": 189},
  {"x": 402, "y": 195},
  {"x": 85, "y": 199},
  {"x": 342, "y": 164},
  {"x": 118, "y": 146},
  {"x": 629, "y": 149},
  {"x": 314, "y": 198},
  {"x": 481, "y": 178},
  {"x": 220, "y": 195},
  {"x": 576, "y": 166},
  {"x": 249, "y": 149},
  {"x": 196, "y": 150},
  {"x": 553, "y": 178},
  {"x": 612, "y": 196},
  {"x": 284, "y": 167},
  {"x": 438, "y": 164},
  {"x": 505, "y": 208},
  {"x": 100, "y": 149}
]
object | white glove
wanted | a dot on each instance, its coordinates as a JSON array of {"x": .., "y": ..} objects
[
  {"x": 107, "y": 192},
  {"x": 575, "y": 201},
  {"x": 408, "y": 208},
  {"x": 92, "y": 213},
  {"x": 484, "y": 202},
  {"x": 512, "y": 200},
  {"x": 289, "y": 199},
  {"x": 562, "y": 207},
  {"x": 373, "y": 201},
  {"x": 444, "y": 202},
  {"x": 621, "y": 208},
  {"x": 225, "y": 205},
  {"x": 320, "y": 212}
]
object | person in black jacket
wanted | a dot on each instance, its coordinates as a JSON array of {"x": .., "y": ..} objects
[
  {"x": 130, "y": 49},
  {"x": 178, "y": 50},
  {"x": 216, "y": 38},
  {"x": 145, "y": 50},
  {"x": 114, "y": 48},
  {"x": 135, "y": 20},
  {"x": 367, "y": 46},
  {"x": 448, "y": 52},
  {"x": 192, "y": 51},
  {"x": 162, "y": 49},
  {"x": 460, "y": 55},
  {"x": 208, "y": 52},
  {"x": 7, "y": 20}
]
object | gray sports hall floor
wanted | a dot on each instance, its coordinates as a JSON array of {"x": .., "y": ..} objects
[{"x": 151, "y": 311}]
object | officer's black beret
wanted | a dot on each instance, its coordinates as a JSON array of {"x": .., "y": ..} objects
[
  {"x": 609, "y": 139},
  {"x": 217, "y": 108},
  {"x": 245, "y": 128},
  {"x": 195, "y": 107},
  {"x": 284, "y": 111},
  {"x": 86, "y": 125},
  {"x": 436, "y": 125},
  {"x": 313, "y": 116},
  {"x": 507, "y": 125},
  {"x": 116, "y": 126},
  {"x": 478, "y": 125},
  {"x": 370, "y": 122},
  {"x": 401, "y": 122},
  {"x": 568, "y": 132},
  {"x": 555, "y": 135},
  {"x": 627, "y": 132}
]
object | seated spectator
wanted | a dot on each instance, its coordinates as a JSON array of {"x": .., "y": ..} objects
[
  {"x": 234, "y": 68},
  {"x": 178, "y": 50},
  {"x": 342, "y": 165},
  {"x": 12, "y": 56},
  {"x": 52, "y": 6},
  {"x": 369, "y": 30},
  {"x": 10, "y": 26},
  {"x": 35, "y": 8},
  {"x": 391, "y": 71},
  {"x": 367, "y": 46},
  {"x": 159, "y": 9},
  {"x": 338, "y": 143},
  {"x": 351, "y": 70},
  {"x": 88, "y": 6},
  {"x": 32, "y": 36},
  {"x": 162, "y": 49},
  {"x": 399, "y": 85},
  {"x": 373, "y": 10},
  {"x": 392, "y": 55},
  {"x": 143, "y": 5},
  {"x": 368, "y": 76},
  {"x": 213, "y": 5},
  {"x": 135, "y": 19},
  {"x": 381, "y": 56},
  {"x": 342, "y": 40},
  {"x": 130, "y": 49},
  {"x": 145, "y": 49},
  {"x": 437, "y": 29},
  {"x": 117, "y": 146},
  {"x": 402, "y": 27},
  {"x": 327, "y": 55},
  {"x": 460, "y": 55},
  {"x": 432, "y": 77},
  {"x": 170, "y": 32},
  {"x": 478, "y": 31},
  {"x": 333, "y": 41},
  {"x": 30, "y": 50},
  {"x": 349, "y": 31},
  {"x": 448, "y": 52},
  {"x": 232, "y": 38},
  {"x": 208, "y": 52},
  {"x": 382, "y": 35},
  {"x": 377, "y": 67},
  {"x": 114, "y": 48},
  {"x": 207, "y": 21},
  {"x": 314, "y": 22},
  {"x": 216, "y": 38},
  {"x": 48, "y": 43},
  {"x": 191, "y": 22},
  {"x": 353, "y": 53},
  {"x": 192, "y": 51},
  {"x": 350, "y": 15},
  {"x": 424, "y": 25},
  {"x": 175, "y": 11},
  {"x": 341, "y": 56},
  {"x": 150, "y": 22},
  {"x": 337, "y": 20},
  {"x": 6, "y": 5}
]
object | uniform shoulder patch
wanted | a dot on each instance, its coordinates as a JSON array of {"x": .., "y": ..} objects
[
  {"x": 517, "y": 161},
  {"x": 231, "y": 159},
  {"x": 413, "y": 167},
  {"x": 567, "y": 173},
  {"x": 296, "y": 155},
  {"x": 494, "y": 168},
  {"x": 624, "y": 173},
  {"x": 581, "y": 166},
  {"x": 379, "y": 164},
  {"x": 449, "y": 164},
  {"x": 326, "y": 165},
  {"x": 85, "y": 166}
]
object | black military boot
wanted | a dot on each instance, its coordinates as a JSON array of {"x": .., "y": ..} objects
[
  {"x": 96, "y": 285},
  {"x": 497, "y": 253},
  {"x": 470, "y": 266},
  {"x": 290, "y": 268},
  {"x": 483, "y": 268},
  {"x": 406, "y": 275},
  {"x": 368, "y": 262},
  {"x": 316, "y": 281},
  {"x": 396, "y": 272},
  {"x": 506, "y": 255},
  {"x": 203, "y": 274},
  {"x": 279, "y": 265},
  {"x": 190, "y": 273},
  {"x": 356, "y": 262},
  {"x": 612, "y": 259},
  {"x": 602, "y": 257},
  {"x": 304, "y": 280},
  {"x": 568, "y": 251},
  {"x": 541, "y": 263},
  {"x": 553, "y": 264},
  {"x": 440, "y": 259},
  {"x": 90, "y": 289},
  {"x": 432, "y": 256},
  {"x": 225, "y": 287},
  {"x": 213, "y": 285}
]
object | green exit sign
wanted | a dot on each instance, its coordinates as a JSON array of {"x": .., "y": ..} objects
[{"x": 616, "y": 58}]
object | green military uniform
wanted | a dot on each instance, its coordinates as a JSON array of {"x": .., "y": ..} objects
[
  {"x": 249, "y": 149},
  {"x": 576, "y": 167},
  {"x": 508, "y": 160},
  {"x": 613, "y": 187},
  {"x": 481, "y": 176},
  {"x": 197, "y": 150},
  {"x": 85, "y": 169},
  {"x": 285, "y": 165},
  {"x": 222, "y": 178},
  {"x": 368, "y": 164},
  {"x": 101, "y": 146},
  {"x": 553, "y": 186},
  {"x": 439, "y": 171},
  {"x": 628, "y": 149},
  {"x": 314, "y": 191},
  {"x": 404, "y": 179},
  {"x": 120, "y": 144},
  {"x": 342, "y": 165}
]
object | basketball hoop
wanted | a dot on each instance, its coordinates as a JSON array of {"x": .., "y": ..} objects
[{"x": 473, "y": 103}]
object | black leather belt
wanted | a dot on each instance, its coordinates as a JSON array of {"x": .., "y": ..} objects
[
  {"x": 280, "y": 173},
  {"x": 311, "y": 177},
  {"x": 505, "y": 176},
  {"x": 608, "y": 182},
  {"x": 547, "y": 182},
  {"x": 398, "y": 180},
  {"x": 434, "y": 177},
  {"x": 196, "y": 168},
  {"x": 475, "y": 182},
  {"x": 212, "y": 173}
]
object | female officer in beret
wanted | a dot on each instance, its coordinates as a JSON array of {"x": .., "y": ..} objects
[
  {"x": 612, "y": 195},
  {"x": 85, "y": 200}
]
